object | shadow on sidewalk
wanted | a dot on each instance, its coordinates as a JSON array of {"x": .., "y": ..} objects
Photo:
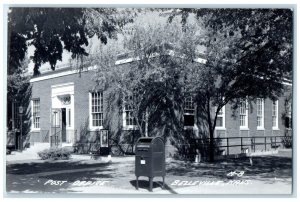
[
  {"x": 32, "y": 177},
  {"x": 144, "y": 184}
]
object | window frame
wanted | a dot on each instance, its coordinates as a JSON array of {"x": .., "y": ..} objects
[
  {"x": 33, "y": 117},
  {"x": 91, "y": 126},
  {"x": 261, "y": 116},
  {"x": 223, "y": 115},
  {"x": 245, "y": 115},
  {"x": 189, "y": 110},
  {"x": 276, "y": 127},
  {"x": 125, "y": 118}
]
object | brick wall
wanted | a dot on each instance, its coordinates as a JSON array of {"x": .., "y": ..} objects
[{"x": 84, "y": 84}]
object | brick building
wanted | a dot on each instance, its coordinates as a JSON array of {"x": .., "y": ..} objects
[{"x": 64, "y": 105}]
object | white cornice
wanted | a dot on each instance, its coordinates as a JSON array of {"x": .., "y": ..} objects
[{"x": 60, "y": 74}]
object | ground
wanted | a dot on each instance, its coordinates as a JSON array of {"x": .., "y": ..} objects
[{"x": 259, "y": 175}]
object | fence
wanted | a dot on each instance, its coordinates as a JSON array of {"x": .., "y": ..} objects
[{"x": 234, "y": 145}]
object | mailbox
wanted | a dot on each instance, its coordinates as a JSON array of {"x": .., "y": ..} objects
[{"x": 150, "y": 159}]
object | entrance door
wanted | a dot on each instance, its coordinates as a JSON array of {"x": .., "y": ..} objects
[{"x": 56, "y": 127}]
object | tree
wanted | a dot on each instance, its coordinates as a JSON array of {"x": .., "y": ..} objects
[
  {"x": 153, "y": 79},
  {"x": 50, "y": 30},
  {"x": 18, "y": 94},
  {"x": 248, "y": 54}
]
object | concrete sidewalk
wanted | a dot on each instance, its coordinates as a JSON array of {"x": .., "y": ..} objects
[{"x": 256, "y": 187}]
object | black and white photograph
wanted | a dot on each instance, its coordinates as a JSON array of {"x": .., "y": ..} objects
[{"x": 149, "y": 100}]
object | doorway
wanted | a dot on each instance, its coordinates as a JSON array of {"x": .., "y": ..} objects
[
  {"x": 63, "y": 125},
  {"x": 58, "y": 127}
]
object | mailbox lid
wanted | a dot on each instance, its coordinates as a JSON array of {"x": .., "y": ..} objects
[{"x": 143, "y": 144}]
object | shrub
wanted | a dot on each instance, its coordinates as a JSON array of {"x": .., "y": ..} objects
[
  {"x": 287, "y": 141},
  {"x": 55, "y": 153}
]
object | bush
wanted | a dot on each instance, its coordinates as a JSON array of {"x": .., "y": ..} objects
[
  {"x": 287, "y": 141},
  {"x": 55, "y": 154}
]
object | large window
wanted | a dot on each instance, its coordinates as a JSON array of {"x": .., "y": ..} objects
[
  {"x": 221, "y": 119},
  {"x": 244, "y": 115},
  {"x": 96, "y": 109},
  {"x": 260, "y": 113},
  {"x": 129, "y": 119},
  {"x": 36, "y": 113},
  {"x": 189, "y": 111},
  {"x": 275, "y": 115}
]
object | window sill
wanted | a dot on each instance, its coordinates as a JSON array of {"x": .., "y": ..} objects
[
  {"x": 131, "y": 127},
  {"x": 35, "y": 130},
  {"x": 260, "y": 129},
  {"x": 275, "y": 129},
  {"x": 220, "y": 128},
  {"x": 244, "y": 128},
  {"x": 96, "y": 128}
]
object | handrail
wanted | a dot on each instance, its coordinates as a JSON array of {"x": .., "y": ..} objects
[{"x": 273, "y": 141}]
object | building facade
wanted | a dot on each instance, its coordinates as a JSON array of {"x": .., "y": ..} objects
[{"x": 66, "y": 110}]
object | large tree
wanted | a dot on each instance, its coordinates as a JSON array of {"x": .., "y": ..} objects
[
  {"x": 50, "y": 30},
  {"x": 249, "y": 54},
  {"x": 153, "y": 79}
]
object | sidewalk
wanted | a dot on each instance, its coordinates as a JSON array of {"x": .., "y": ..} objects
[
  {"x": 266, "y": 175},
  {"x": 256, "y": 187}
]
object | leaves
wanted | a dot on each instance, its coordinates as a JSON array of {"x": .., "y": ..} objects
[{"x": 50, "y": 30}]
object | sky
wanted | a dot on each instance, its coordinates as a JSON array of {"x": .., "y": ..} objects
[{"x": 93, "y": 43}]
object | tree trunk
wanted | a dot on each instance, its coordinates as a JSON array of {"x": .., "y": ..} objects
[
  {"x": 211, "y": 146},
  {"x": 146, "y": 122}
]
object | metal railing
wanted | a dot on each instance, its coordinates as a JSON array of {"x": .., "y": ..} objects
[
  {"x": 55, "y": 139},
  {"x": 243, "y": 144}
]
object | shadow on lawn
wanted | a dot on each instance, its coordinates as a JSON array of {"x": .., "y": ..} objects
[
  {"x": 263, "y": 168},
  {"x": 32, "y": 177},
  {"x": 48, "y": 166}
]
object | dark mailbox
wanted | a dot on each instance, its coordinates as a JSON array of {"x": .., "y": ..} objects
[{"x": 150, "y": 159}]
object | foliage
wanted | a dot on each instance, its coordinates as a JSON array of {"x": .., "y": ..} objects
[
  {"x": 19, "y": 91},
  {"x": 152, "y": 83},
  {"x": 55, "y": 154},
  {"x": 50, "y": 30},
  {"x": 286, "y": 116},
  {"x": 287, "y": 140},
  {"x": 248, "y": 54},
  {"x": 88, "y": 142}
]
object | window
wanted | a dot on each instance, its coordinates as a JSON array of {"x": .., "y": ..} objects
[
  {"x": 221, "y": 119},
  {"x": 36, "y": 113},
  {"x": 275, "y": 115},
  {"x": 96, "y": 109},
  {"x": 69, "y": 117},
  {"x": 260, "y": 113},
  {"x": 128, "y": 112},
  {"x": 244, "y": 115},
  {"x": 189, "y": 111}
]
